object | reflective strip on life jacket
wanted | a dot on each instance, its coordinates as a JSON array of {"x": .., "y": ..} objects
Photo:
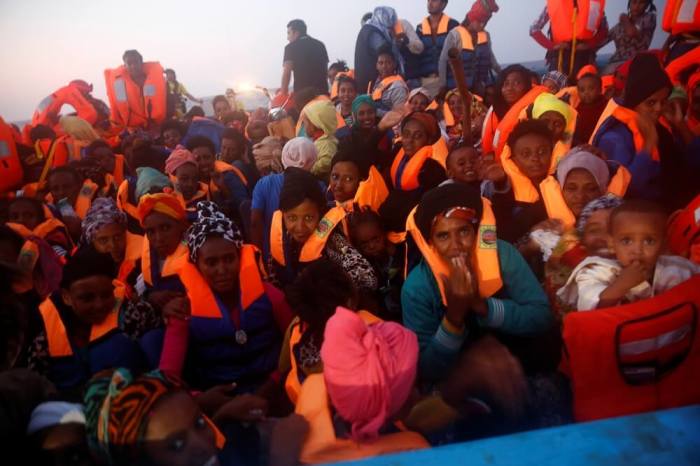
[
  {"x": 56, "y": 334},
  {"x": 484, "y": 257},
  {"x": 637, "y": 357},
  {"x": 408, "y": 179},
  {"x": 314, "y": 246},
  {"x": 681, "y": 17},
  {"x": 575, "y": 20},
  {"x": 202, "y": 299}
]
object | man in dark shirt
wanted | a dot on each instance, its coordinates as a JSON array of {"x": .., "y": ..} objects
[{"x": 306, "y": 57}]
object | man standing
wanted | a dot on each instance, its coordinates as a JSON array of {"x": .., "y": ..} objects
[
  {"x": 306, "y": 57},
  {"x": 432, "y": 32}
]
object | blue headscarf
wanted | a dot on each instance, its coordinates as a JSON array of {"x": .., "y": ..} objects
[
  {"x": 383, "y": 19},
  {"x": 359, "y": 100}
]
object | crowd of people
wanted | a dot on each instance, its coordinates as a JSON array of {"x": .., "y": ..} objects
[{"x": 392, "y": 256}]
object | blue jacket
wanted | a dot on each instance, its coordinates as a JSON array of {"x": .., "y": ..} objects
[{"x": 519, "y": 308}]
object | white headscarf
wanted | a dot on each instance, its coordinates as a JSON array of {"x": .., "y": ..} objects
[{"x": 299, "y": 152}]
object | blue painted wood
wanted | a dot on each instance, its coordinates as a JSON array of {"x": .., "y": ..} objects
[{"x": 670, "y": 437}]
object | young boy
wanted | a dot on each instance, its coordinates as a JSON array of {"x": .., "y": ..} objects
[
  {"x": 590, "y": 107},
  {"x": 462, "y": 165},
  {"x": 639, "y": 270}
]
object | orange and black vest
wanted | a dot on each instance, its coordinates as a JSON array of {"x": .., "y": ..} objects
[
  {"x": 376, "y": 90},
  {"x": 71, "y": 367},
  {"x": 476, "y": 59},
  {"x": 484, "y": 257},
  {"x": 165, "y": 278},
  {"x": 405, "y": 172},
  {"x": 638, "y": 357},
  {"x": 11, "y": 172},
  {"x": 575, "y": 20},
  {"x": 296, "y": 377},
  {"x": 681, "y": 17},
  {"x": 428, "y": 61},
  {"x": 221, "y": 350},
  {"x": 49, "y": 108},
  {"x": 321, "y": 444},
  {"x": 133, "y": 106}
]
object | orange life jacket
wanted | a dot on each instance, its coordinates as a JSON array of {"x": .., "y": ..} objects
[
  {"x": 292, "y": 384},
  {"x": 11, "y": 172},
  {"x": 371, "y": 192},
  {"x": 575, "y": 20},
  {"x": 314, "y": 246},
  {"x": 607, "y": 112},
  {"x": 173, "y": 263},
  {"x": 203, "y": 300},
  {"x": 49, "y": 108},
  {"x": 134, "y": 248},
  {"x": 484, "y": 257},
  {"x": 202, "y": 194},
  {"x": 488, "y": 131},
  {"x": 683, "y": 231},
  {"x": 321, "y": 444},
  {"x": 222, "y": 167},
  {"x": 440, "y": 152},
  {"x": 124, "y": 204},
  {"x": 118, "y": 173},
  {"x": 132, "y": 106},
  {"x": 335, "y": 85},
  {"x": 84, "y": 199},
  {"x": 377, "y": 91},
  {"x": 620, "y": 182},
  {"x": 56, "y": 334},
  {"x": 637, "y": 357},
  {"x": 681, "y": 17},
  {"x": 408, "y": 179},
  {"x": 628, "y": 117},
  {"x": 572, "y": 93},
  {"x": 511, "y": 118}
]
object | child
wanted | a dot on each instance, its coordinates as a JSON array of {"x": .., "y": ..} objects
[
  {"x": 590, "y": 107},
  {"x": 639, "y": 271},
  {"x": 367, "y": 234},
  {"x": 463, "y": 165}
]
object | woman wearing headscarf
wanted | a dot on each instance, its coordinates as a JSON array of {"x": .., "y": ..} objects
[
  {"x": 366, "y": 131},
  {"x": 632, "y": 135},
  {"x": 163, "y": 218},
  {"x": 368, "y": 376},
  {"x": 89, "y": 325},
  {"x": 104, "y": 227},
  {"x": 467, "y": 282},
  {"x": 181, "y": 166},
  {"x": 297, "y": 154},
  {"x": 320, "y": 122},
  {"x": 414, "y": 170},
  {"x": 236, "y": 320},
  {"x": 150, "y": 419},
  {"x": 375, "y": 34}
]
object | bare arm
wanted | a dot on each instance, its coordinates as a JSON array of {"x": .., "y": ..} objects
[{"x": 286, "y": 77}]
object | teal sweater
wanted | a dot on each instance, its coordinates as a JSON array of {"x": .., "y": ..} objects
[{"x": 519, "y": 308}]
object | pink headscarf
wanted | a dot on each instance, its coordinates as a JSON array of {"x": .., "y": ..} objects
[
  {"x": 178, "y": 157},
  {"x": 369, "y": 370}
]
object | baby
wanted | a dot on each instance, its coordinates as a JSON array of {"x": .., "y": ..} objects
[{"x": 638, "y": 271}]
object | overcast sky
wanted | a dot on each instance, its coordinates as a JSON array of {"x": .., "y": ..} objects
[{"x": 212, "y": 44}]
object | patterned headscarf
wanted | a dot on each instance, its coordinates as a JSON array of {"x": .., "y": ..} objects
[
  {"x": 103, "y": 211},
  {"x": 211, "y": 222},
  {"x": 177, "y": 158},
  {"x": 557, "y": 76},
  {"x": 164, "y": 203},
  {"x": 609, "y": 201},
  {"x": 117, "y": 406}
]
